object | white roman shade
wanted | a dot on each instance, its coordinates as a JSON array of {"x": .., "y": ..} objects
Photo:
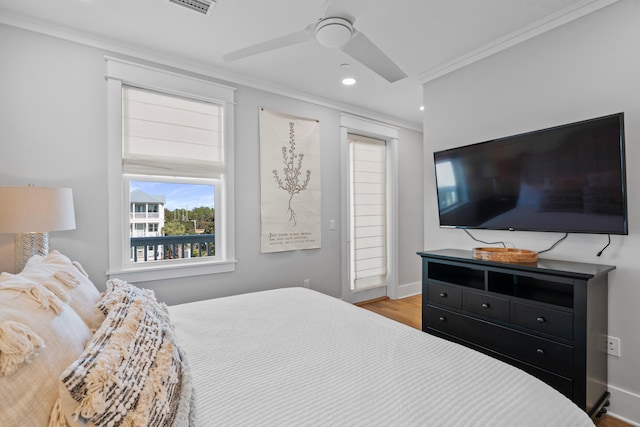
[
  {"x": 171, "y": 135},
  {"x": 368, "y": 219}
]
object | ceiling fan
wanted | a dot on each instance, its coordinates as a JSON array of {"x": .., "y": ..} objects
[{"x": 335, "y": 32}]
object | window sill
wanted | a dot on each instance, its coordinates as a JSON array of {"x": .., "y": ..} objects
[{"x": 166, "y": 271}]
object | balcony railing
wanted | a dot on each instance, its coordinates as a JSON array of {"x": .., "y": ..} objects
[
  {"x": 144, "y": 215},
  {"x": 154, "y": 248}
]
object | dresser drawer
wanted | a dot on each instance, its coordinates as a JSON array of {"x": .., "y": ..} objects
[
  {"x": 541, "y": 319},
  {"x": 486, "y": 305},
  {"x": 546, "y": 354},
  {"x": 444, "y": 295}
]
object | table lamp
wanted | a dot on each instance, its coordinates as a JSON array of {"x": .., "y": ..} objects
[{"x": 32, "y": 212}]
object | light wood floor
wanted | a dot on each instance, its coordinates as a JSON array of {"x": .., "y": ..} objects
[{"x": 409, "y": 311}]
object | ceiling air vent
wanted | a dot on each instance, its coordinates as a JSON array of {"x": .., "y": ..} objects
[{"x": 201, "y": 6}]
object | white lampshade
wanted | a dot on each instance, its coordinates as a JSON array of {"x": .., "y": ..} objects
[
  {"x": 32, "y": 212},
  {"x": 31, "y": 209}
]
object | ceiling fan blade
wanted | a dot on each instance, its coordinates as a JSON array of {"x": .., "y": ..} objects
[
  {"x": 325, "y": 8},
  {"x": 273, "y": 44},
  {"x": 364, "y": 51},
  {"x": 329, "y": 10}
]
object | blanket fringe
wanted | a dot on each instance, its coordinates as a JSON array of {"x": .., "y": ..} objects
[
  {"x": 58, "y": 291},
  {"x": 67, "y": 279},
  {"x": 18, "y": 344},
  {"x": 80, "y": 267},
  {"x": 56, "y": 418},
  {"x": 45, "y": 298},
  {"x": 38, "y": 293}
]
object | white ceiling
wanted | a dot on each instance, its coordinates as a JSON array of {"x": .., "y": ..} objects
[{"x": 426, "y": 38}]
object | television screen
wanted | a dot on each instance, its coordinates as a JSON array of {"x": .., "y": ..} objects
[{"x": 569, "y": 178}]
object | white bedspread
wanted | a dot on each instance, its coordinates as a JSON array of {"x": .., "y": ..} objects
[{"x": 295, "y": 357}]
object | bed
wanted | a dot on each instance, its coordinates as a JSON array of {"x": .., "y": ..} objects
[{"x": 289, "y": 356}]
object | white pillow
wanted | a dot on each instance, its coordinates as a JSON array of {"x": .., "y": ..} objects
[
  {"x": 57, "y": 268},
  {"x": 30, "y": 313}
]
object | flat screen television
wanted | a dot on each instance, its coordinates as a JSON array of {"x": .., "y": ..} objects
[{"x": 569, "y": 178}]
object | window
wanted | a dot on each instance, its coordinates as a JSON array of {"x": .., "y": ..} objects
[
  {"x": 170, "y": 174},
  {"x": 172, "y": 157},
  {"x": 368, "y": 174},
  {"x": 368, "y": 207}
]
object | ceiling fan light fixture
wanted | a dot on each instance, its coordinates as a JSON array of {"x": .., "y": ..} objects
[
  {"x": 333, "y": 32},
  {"x": 202, "y": 6}
]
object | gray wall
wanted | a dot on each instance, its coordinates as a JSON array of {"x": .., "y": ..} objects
[
  {"x": 53, "y": 133},
  {"x": 410, "y": 212},
  {"x": 585, "y": 69}
]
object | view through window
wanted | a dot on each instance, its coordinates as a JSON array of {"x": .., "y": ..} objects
[{"x": 170, "y": 220}]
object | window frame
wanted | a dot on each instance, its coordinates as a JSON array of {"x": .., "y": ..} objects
[
  {"x": 355, "y": 222},
  {"x": 377, "y": 130},
  {"x": 126, "y": 73}
]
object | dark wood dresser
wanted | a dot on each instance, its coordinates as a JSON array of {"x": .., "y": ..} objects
[{"x": 547, "y": 318}]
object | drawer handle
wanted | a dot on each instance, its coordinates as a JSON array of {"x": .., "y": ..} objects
[
  {"x": 486, "y": 305},
  {"x": 443, "y": 295},
  {"x": 540, "y": 351},
  {"x": 442, "y": 318},
  {"x": 541, "y": 319}
]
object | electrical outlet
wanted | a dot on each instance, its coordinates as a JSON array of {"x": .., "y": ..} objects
[
  {"x": 307, "y": 283},
  {"x": 613, "y": 346}
]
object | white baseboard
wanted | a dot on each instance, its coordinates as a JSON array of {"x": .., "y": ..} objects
[
  {"x": 625, "y": 405},
  {"x": 409, "y": 289}
]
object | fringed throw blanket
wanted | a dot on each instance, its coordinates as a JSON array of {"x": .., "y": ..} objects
[{"x": 131, "y": 373}]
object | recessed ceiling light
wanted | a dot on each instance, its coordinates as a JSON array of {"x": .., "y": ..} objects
[
  {"x": 348, "y": 81},
  {"x": 422, "y": 108}
]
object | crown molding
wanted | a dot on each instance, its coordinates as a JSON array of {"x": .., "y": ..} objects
[
  {"x": 202, "y": 70},
  {"x": 548, "y": 23}
]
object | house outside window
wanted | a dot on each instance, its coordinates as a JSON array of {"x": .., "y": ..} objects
[{"x": 173, "y": 133}]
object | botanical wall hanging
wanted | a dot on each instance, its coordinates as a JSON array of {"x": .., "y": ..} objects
[{"x": 289, "y": 182}]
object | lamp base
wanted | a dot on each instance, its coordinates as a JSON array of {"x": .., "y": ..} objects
[{"x": 28, "y": 245}]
